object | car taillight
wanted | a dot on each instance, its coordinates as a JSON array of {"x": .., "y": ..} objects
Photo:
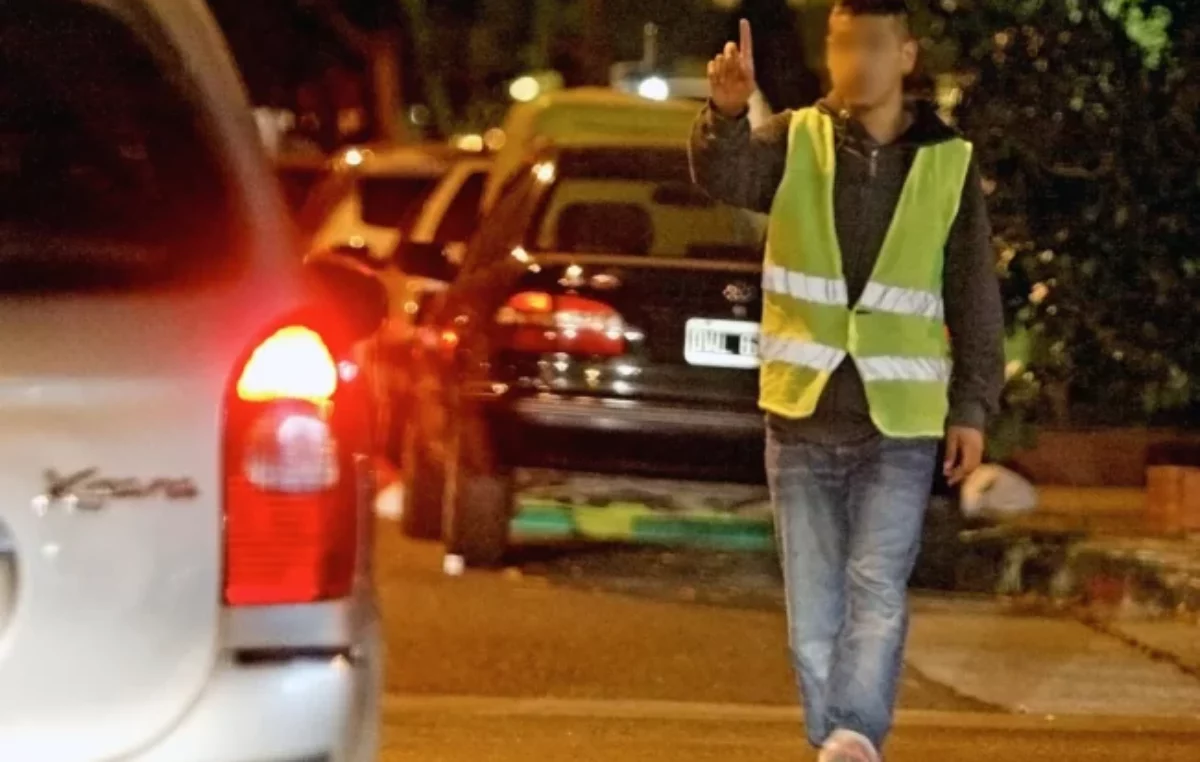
[
  {"x": 545, "y": 323},
  {"x": 294, "y": 437}
]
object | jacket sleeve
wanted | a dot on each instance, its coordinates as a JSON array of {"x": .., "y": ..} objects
[
  {"x": 974, "y": 315},
  {"x": 735, "y": 164}
]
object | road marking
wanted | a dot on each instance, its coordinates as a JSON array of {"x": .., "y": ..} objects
[{"x": 601, "y": 709}]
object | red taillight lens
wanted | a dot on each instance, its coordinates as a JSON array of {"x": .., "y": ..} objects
[
  {"x": 544, "y": 323},
  {"x": 291, "y": 484}
]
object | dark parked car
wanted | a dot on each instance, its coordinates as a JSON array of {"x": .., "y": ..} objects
[{"x": 605, "y": 318}]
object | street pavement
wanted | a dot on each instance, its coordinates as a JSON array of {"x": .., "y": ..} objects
[
  {"x": 447, "y": 736},
  {"x": 581, "y": 653}
]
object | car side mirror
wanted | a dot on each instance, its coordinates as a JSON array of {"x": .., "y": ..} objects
[
  {"x": 356, "y": 292},
  {"x": 426, "y": 260}
]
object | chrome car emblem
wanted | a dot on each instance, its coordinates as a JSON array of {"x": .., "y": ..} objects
[
  {"x": 86, "y": 490},
  {"x": 740, "y": 292}
]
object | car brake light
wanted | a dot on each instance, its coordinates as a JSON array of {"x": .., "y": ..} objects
[
  {"x": 293, "y": 426},
  {"x": 545, "y": 323},
  {"x": 293, "y": 364}
]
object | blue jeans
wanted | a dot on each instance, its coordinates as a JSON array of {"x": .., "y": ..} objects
[{"x": 849, "y": 521}]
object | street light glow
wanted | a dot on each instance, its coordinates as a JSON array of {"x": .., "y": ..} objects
[
  {"x": 471, "y": 143},
  {"x": 654, "y": 88},
  {"x": 524, "y": 89}
]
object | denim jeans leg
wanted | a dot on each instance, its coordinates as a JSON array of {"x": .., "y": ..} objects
[
  {"x": 807, "y": 491},
  {"x": 889, "y": 491}
]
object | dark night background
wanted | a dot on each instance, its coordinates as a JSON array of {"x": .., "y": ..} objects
[{"x": 1084, "y": 113}]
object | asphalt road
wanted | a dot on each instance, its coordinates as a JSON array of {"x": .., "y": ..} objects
[
  {"x": 442, "y": 737},
  {"x": 602, "y": 653},
  {"x": 608, "y": 624}
]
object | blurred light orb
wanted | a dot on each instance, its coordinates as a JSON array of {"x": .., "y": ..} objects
[
  {"x": 495, "y": 139},
  {"x": 471, "y": 143},
  {"x": 524, "y": 89},
  {"x": 545, "y": 172},
  {"x": 654, "y": 88},
  {"x": 420, "y": 115}
]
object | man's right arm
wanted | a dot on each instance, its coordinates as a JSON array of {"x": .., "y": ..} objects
[{"x": 736, "y": 164}]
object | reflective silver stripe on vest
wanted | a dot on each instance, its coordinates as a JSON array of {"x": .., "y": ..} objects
[
  {"x": 902, "y": 301},
  {"x": 808, "y": 288},
  {"x": 807, "y": 354},
  {"x": 885, "y": 368}
]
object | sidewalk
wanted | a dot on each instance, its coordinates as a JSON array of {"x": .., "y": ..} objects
[
  {"x": 1032, "y": 663},
  {"x": 1093, "y": 546},
  {"x": 1090, "y": 551}
]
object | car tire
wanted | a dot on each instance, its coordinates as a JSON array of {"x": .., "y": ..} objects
[
  {"x": 480, "y": 497},
  {"x": 424, "y": 487},
  {"x": 395, "y": 438}
]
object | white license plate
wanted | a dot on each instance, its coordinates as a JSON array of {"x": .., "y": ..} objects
[{"x": 721, "y": 343}]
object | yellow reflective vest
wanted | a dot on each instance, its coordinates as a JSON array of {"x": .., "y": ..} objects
[{"x": 895, "y": 334}]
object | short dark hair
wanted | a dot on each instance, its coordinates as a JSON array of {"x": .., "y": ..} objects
[{"x": 872, "y": 7}]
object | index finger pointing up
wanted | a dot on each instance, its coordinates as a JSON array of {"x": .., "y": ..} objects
[{"x": 746, "y": 45}]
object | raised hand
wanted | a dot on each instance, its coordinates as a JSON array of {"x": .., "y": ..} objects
[{"x": 731, "y": 75}]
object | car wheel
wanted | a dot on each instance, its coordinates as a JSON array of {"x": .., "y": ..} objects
[
  {"x": 424, "y": 487},
  {"x": 394, "y": 442},
  {"x": 480, "y": 497}
]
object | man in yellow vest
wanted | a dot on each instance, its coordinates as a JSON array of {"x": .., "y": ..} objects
[{"x": 881, "y": 333}]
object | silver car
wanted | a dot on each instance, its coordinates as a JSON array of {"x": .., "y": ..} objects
[{"x": 185, "y": 470}]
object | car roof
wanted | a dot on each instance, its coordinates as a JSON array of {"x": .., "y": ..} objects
[
  {"x": 592, "y": 114},
  {"x": 608, "y": 97},
  {"x": 659, "y": 161},
  {"x": 402, "y": 158}
]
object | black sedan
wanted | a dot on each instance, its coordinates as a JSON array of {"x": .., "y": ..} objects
[{"x": 605, "y": 319}]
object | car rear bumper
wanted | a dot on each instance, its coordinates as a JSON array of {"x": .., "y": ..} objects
[
  {"x": 630, "y": 416},
  {"x": 608, "y": 435},
  {"x": 309, "y": 709}
]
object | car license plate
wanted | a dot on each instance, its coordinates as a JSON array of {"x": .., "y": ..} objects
[{"x": 721, "y": 343}]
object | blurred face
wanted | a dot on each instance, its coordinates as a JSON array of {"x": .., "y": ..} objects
[{"x": 869, "y": 57}]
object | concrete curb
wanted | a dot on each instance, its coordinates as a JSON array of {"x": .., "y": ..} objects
[
  {"x": 1138, "y": 582},
  {"x": 629, "y": 522}
]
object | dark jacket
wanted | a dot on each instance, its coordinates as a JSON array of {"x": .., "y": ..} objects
[{"x": 743, "y": 167}]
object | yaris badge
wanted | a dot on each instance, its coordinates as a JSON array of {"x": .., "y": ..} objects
[
  {"x": 87, "y": 490},
  {"x": 740, "y": 292}
]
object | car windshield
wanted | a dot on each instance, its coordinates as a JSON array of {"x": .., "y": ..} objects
[
  {"x": 104, "y": 175},
  {"x": 637, "y": 202}
]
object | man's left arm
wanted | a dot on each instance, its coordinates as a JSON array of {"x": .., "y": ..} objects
[{"x": 975, "y": 319}]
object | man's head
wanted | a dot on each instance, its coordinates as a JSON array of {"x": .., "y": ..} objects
[{"x": 870, "y": 50}]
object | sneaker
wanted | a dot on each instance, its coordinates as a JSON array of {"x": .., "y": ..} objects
[{"x": 848, "y": 746}]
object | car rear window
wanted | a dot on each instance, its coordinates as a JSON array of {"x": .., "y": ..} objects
[
  {"x": 105, "y": 179},
  {"x": 641, "y": 203},
  {"x": 394, "y": 201}
]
